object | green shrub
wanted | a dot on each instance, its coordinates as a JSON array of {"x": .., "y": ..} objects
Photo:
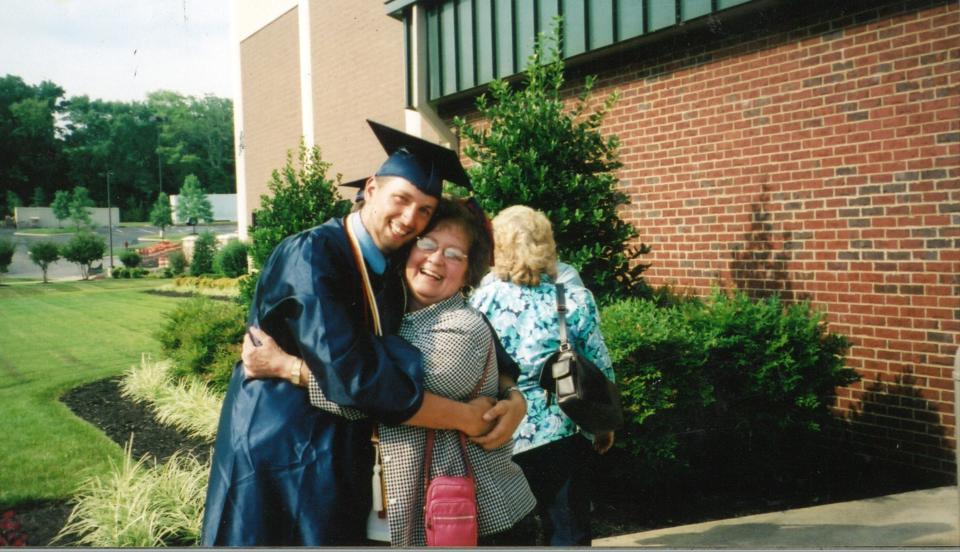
[
  {"x": 658, "y": 358},
  {"x": 231, "y": 260},
  {"x": 728, "y": 381},
  {"x": 204, "y": 249},
  {"x": 775, "y": 367},
  {"x": 247, "y": 287},
  {"x": 203, "y": 338},
  {"x": 124, "y": 272},
  {"x": 130, "y": 258},
  {"x": 178, "y": 262}
]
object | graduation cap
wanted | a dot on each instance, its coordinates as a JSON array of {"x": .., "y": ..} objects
[{"x": 424, "y": 164}]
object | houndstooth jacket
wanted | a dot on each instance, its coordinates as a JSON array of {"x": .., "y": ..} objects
[{"x": 456, "y": 344}]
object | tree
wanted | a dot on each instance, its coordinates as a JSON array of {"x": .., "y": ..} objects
[
  {"x": 7, "y": 248},
  {"x": 532, "y": 150},
  {"x": 38, "y": 198},
  {"x": 204, "y": 250},
  {"x": 30, "y": 149},
  {"x": 79, "y": 202},
  {"x": 44, "y": 254},
  {"x": 61, "y": 206},
  {"x": 195, "y": 136},
  {"x": 303, "y": 197},
  {"x": 193, "y": 205},
  {"x": 161, "y": 215},
  {"x": 84, "y": 249},
  {"x": 13, "y": 201}
]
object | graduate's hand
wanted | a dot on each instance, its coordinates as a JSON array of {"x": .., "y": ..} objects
[
  {"x": 266, "y": 361},
  {"x": 602, "y": 442},
  {"x": 475, "y": 425},
  {"x": 506, "y": 415}
]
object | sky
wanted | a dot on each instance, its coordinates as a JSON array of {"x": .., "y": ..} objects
[{"x": 119, "y": 49}]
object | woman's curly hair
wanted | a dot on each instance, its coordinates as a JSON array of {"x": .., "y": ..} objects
[{"x": 523, "y": 246}]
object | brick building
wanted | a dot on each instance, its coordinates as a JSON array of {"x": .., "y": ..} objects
[{"x": 807, "y": 148}]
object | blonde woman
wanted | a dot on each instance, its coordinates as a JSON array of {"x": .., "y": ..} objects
[{"x": 520, "y": 301}]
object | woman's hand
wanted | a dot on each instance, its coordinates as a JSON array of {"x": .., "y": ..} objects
[
  {"x": 602, "y": 442},
  {"x": 266, "y": 361},
  {"x": 507, "y": 415}
]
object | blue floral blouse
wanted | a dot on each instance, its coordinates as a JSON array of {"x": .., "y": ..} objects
[{"x": 525, "y": 318}]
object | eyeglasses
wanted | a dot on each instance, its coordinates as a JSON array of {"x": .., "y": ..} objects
[{"x": 450, "y": 253}]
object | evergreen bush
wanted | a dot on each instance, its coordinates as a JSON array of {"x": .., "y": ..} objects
[
  {"x": 178, "y": 262},
  {"x": 729, "y": 379},
  {"x": 531, "y": 149},
  {"x": 203, "y": 337},
  {"x": 302, "y": 197},
  {"x": 204, "y": 250},
  {"x": 231, "y": 260},
  {"x": 130, "y": 258}
]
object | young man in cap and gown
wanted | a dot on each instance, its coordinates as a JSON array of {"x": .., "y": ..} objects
[{"x": 285, "y": 472}]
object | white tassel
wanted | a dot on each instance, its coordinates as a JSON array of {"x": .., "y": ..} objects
[{"x": 377, "y": 491}]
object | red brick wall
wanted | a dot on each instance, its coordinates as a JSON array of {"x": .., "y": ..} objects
[{"x": 816, "y": 156}]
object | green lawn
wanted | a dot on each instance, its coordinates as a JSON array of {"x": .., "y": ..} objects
[{"x": 54, "y": 337}]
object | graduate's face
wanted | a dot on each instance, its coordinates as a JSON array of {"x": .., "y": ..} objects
[
  {"x": 437, "y": 266},
  {"x": 395, "y": 211}
]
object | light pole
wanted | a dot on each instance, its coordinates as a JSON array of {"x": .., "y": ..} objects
[
  {"x": 110, "y": 222},
  {"x": 158, "y": 120}
]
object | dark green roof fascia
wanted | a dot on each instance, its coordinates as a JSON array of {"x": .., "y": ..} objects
[{"x": 395, "y": 7}]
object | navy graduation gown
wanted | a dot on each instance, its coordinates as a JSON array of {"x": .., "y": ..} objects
[{"x": 284, "y": 472}]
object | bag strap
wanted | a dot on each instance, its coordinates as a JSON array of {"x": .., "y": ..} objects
[
  {"x": 562, "y": 318},
  {"x": 431, "y": 434}
]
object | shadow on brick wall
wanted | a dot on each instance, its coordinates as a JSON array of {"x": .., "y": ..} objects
[
  {"x": 895, "y": 425},
  {"x": 759, "y": 261}
]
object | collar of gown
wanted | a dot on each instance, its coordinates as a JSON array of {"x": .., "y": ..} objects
[{"x": 371, "y": 253}]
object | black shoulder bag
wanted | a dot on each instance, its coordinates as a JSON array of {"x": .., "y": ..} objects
[{"x": 583, "y": 392}]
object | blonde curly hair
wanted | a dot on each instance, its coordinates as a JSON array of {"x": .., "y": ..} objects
[{"x": 523, "y": 246}]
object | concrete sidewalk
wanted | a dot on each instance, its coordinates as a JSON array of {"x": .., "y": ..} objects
[{"x": 924, "y": 518}]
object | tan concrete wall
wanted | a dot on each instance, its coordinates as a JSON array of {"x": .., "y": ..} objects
[
  {"x": 358, "y": 73},
  {"x": 270, "y": 76},
  {"x": 35, "y": 217}
]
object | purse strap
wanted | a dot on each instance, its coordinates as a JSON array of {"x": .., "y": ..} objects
[
  {"x": 562, "y": 318},
  {"x": 431, "y": 434}
]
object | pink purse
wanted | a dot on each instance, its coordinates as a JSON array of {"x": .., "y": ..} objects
[{"x": 450, "y": 503}]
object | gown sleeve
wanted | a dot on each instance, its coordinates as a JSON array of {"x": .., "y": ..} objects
[{"x": 308, "y": 298}]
